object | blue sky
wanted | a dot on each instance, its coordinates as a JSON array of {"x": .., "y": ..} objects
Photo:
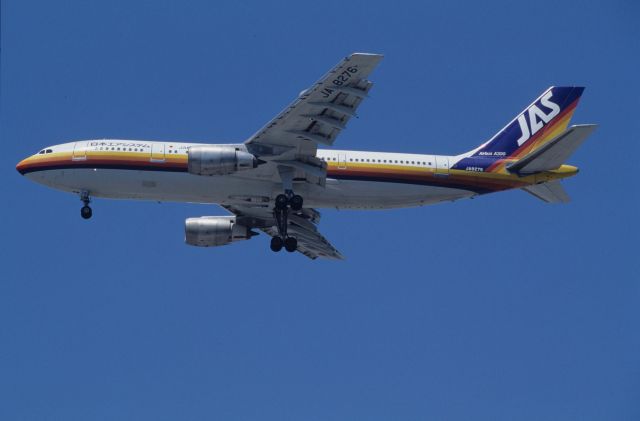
[{"x": 496, "y": 308}]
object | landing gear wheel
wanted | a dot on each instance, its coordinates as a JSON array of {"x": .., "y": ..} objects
[
  {"x": 86, "y": 212},
  {"x": 290, "y": 244},
  {"x": 296, "y": 202},
  {"x": 276, "y": 244},
  {"x": 281, "y": 202}
]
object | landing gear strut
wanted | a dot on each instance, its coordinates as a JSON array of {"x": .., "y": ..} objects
[
  {"x": 283, "y": 204},
  {"x": 85, "y": 211}
]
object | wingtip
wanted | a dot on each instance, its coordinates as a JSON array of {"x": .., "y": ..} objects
[{"x": 376, "y": 55}]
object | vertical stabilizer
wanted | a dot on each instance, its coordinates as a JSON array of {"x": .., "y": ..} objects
[{"x": 544, "y": 119}]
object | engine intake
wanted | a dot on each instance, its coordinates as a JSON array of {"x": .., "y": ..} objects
[
  {"x": 218, "y": 160},
  {"x": 211, "y": 231}
]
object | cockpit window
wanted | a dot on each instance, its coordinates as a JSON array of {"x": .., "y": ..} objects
[
  {"x": 41, "y": 152},
  {"x": 49, "y": 151}
]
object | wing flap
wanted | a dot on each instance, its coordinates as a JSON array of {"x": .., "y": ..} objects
[
  {"x": 302, "y": 226},
  {"x": 310, "y": 243}
]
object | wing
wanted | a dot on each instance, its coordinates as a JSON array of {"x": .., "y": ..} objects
[
  {"x": 317, "y": 116},
  {"x": 302, "y": 225},
  {"x": 287, "y": 147}
]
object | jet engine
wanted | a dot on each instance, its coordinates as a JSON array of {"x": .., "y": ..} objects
[
  {"x": 219, "y": 160},
  {"x": 211, "y": 231}
]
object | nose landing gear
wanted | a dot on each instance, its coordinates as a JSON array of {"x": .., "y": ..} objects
[{"x": 85, "y": 211}]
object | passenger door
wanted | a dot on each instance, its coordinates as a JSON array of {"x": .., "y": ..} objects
[
  {"x": 157, "y": 152},
  {"x": 79, "y": 151},
  {"x": 442, "y": 165},
  {"x": 342, "y": 161}
]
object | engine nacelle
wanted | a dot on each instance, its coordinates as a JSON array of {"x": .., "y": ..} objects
[
  {"x": 211, "y": 231},
  {"x": 218, "y": 160}
]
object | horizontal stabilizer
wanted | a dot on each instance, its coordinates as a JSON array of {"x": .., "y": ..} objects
[
  {"x": 554, "y": 153},
  {"x": 550, "y": 192}
]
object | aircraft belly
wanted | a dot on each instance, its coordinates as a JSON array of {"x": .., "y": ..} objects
[
  {"x": 150, "y": 185},
  {"x": 184, "y": 187},
  {"x": 353, "y": 194}
]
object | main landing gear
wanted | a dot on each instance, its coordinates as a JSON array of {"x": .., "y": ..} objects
[
  {"x": 283, "y": 204},
  {"x": 85, "y": 211}
]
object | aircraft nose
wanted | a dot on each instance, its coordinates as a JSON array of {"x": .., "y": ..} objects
[{"x": 23, "y": 166}]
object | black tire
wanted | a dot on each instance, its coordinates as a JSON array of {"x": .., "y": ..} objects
[
  {"x": 276, "y": 244},
  {"x": 296, "y": 202},
  {"x": 290, "y": 244},
  {"x": 86, "y": 212},
  {"x": 281, "y": 202}
]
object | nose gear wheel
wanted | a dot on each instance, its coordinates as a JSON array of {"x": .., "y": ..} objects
[{"x": 85, "y": 211}]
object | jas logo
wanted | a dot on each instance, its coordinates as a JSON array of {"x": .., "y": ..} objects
[{"x": 537, "y": 117}]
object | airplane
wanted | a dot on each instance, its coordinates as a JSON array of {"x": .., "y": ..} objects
[{"x": 276, "y": 179}]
